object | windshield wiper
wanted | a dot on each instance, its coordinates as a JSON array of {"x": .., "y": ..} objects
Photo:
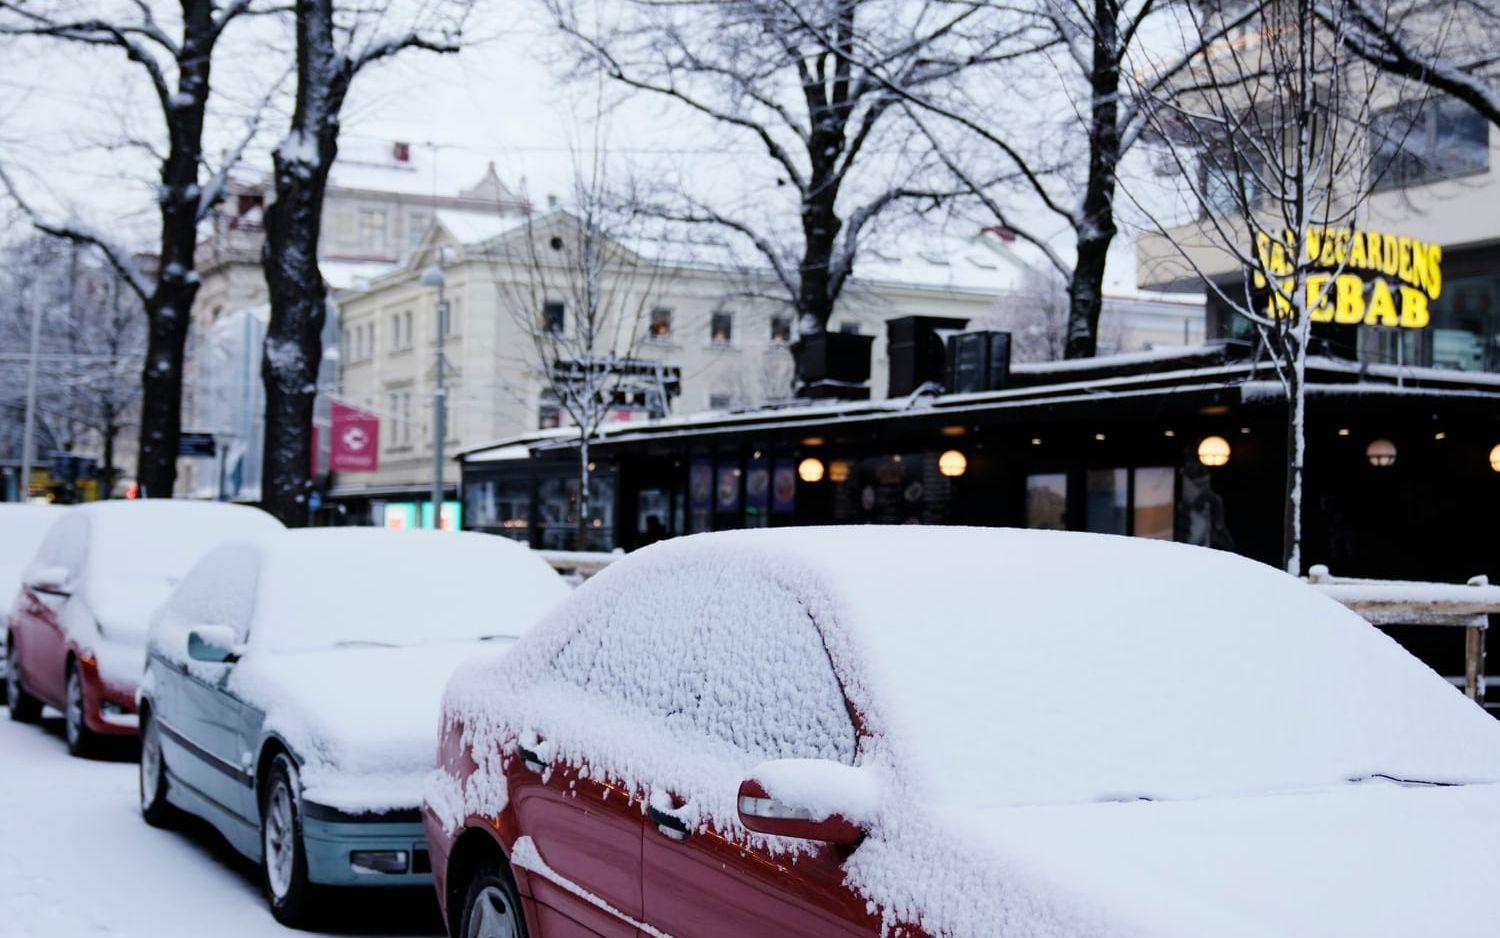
[
  {"x": 362, "y": 643},
  {"x": 1418, "y": 782}
]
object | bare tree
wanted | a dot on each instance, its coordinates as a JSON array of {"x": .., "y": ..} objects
[
  {"x": 791, "y": 80},
  {"x": 1028, "y": 171},
  {"x": 579, "y": 290},
  {"x": 1447, "y": 47},
  {"x": 1268, "y": 148},
  {"x": 92, "y": 344},
  {"x": 335, "y": 43},
  {"x": 175, "y": 51}
]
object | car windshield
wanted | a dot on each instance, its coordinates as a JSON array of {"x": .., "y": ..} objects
[{"x": 370, "y": 587}]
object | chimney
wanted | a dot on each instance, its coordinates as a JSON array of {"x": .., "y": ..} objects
[
  {"x": 833, "y": 366},
  {"x": 980, "y": 361},
  {"x": 914, "y": 345}
]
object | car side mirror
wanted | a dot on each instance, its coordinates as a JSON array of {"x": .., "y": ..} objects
[
  {"x": 809, "y": 799},
  {"x": 212, "y": 643},
  {"x": 49, "y": 581}
]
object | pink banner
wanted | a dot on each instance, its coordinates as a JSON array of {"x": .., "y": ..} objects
[{"x": 355, "y": 443}]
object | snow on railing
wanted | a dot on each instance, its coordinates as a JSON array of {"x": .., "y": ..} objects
[{"x": 1406, "y": 602}]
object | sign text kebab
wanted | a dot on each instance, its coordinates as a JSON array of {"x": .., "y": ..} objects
[{"x": 1354, "y": 277}]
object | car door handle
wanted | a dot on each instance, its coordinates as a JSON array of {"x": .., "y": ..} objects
[{"x": 669, "y": 825}]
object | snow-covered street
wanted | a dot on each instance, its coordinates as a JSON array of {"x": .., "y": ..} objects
[{"x": 77, "y": 860}]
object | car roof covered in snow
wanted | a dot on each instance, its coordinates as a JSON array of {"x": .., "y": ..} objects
[
  {"x": 1039, "y": 667},
  {"x": 329, "y": 585}
]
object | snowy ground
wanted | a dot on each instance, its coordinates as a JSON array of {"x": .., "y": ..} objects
[{"x": 77, "y": 861}]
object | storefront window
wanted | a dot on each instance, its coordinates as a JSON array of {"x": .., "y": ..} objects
[
  {"x": 1047, "y": 501},
  {"x": 1463, "y": 334},
  {"x": 1105, "y": 500},
  {"x": 557, "y": 514},
  {"x": 1155, "y": 496},
  {"x": 1444, "y": 138}
]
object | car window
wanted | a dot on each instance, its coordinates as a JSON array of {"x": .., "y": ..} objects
[
  {"x": 64, "y": 548},
  {"x": 219, "y": 590},
  {"x": 751, "y": 670}
]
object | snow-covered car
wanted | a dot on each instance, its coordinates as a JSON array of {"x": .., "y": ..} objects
[
  {"x": 77, "y": 634},
  {"x": 22, "y": 525},
  {"x": 293, "y": 689},
  {"x": 958, "y": 732}
]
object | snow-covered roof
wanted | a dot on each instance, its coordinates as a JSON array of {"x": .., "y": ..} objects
[
  {"x": 374, "y": 165},
  {"x": 353, "y": 275},
  {"x": 471, "y": 228}
]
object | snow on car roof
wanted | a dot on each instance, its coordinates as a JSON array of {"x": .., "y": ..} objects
[
  {"x": 1033, "y": 667},
  {"x": 138, "y": 549},
  {"x": 330, "y": 585}
]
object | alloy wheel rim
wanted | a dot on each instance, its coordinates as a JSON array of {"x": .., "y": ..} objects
[
  {"x": 494, "y": 915},
  {"x": 150, "y": 764},
  {"x": 278, "y": 846},
  {"x": 74, "y": 721}
]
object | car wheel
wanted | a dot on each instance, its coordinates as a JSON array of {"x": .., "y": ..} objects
[
  {"x": 153, "y": 776},
  {"x": 81, "y": 740},
  {"x": 283, "y": 859},
  {"x": 24, "y": 708},
  {"x": 492, "y": 907}
]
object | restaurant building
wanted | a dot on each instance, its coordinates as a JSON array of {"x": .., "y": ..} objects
[{"x": 1403, "y": 463}]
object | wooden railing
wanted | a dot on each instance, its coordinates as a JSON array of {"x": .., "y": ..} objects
[{"x": 1466, "y": 606}]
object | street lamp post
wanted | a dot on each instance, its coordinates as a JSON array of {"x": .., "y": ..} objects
[
  {"x": 28, "y": 433},
  {"x": 433, "y": 277}
]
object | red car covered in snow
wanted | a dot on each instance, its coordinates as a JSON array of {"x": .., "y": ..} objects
[
  {"x": 77, "y": 633},
  {"x": 955, "y": 732}
]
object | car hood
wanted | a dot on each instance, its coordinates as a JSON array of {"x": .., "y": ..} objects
[
  {"x": 1371, "y": 859},
  {"x": 364, "y": 721}
]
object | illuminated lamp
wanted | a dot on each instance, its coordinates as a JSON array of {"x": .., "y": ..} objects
[
  {"x": 1495, "y": 458},
  {"x": 1381, "y": 453},
  {"x": 1213, "y": 451},
  {"x": 838, "y": 471},
  {"x": 952, "y": 464},
  {"x": 810, "y": 470}
]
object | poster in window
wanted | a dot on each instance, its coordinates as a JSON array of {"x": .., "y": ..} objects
[
  {"x": 727, "y": 491},
  {"x": 784, "y": 487},
  {"x": 757, "y": 492},
  {"x": 700, "y": 494}
]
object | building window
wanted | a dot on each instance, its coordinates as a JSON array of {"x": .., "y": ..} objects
[
  {"x": 1106, "y": 497},
  {"x": 1047, "y": 501},
  {"x": 1153, "y": 502},
  {"x": 400, "y": 418},
  {"x": 1231, "y": 181},
  {"x": 450, "y": 322},
  {"x": 553, "y": 321},
  {"x": 721, "y": 328},
  {"x": 406, "y": 331},
  {"x": 660, "y": 327},
  {"x": 720, "y": 400},
  {"x": 849, "y": 328},
  {"x": 417, "y": 224},
  {"x": 372, "y": 230},
  {"x": 1445, "y": 138},
  {"x": 549, "y": 416},
  {"x": 781, "y": 330}
]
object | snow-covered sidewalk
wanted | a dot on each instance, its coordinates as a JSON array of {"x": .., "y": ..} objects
[{"x": 77, "y": 861}]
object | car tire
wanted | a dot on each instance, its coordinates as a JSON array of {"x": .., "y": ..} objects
[
  {"x": 82, "y": 741},
  {"x": 283, "y": 857},
  {"x": 155, "y": 808},
  {"x": 492, "y": 906},
  {"x": 24, "y": 708}
]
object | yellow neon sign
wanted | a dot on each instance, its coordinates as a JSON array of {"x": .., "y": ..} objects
[{"x": 1368, "y": 278}]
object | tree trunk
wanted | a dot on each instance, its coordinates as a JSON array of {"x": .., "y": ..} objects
[
  {"x": 584, "y": 486},
  {"x": 169, "y": 308},
  {"x": 1096, "y": 229},
  {"x": 294, "y": 336},
  {"x": 299, "y": 299}
]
